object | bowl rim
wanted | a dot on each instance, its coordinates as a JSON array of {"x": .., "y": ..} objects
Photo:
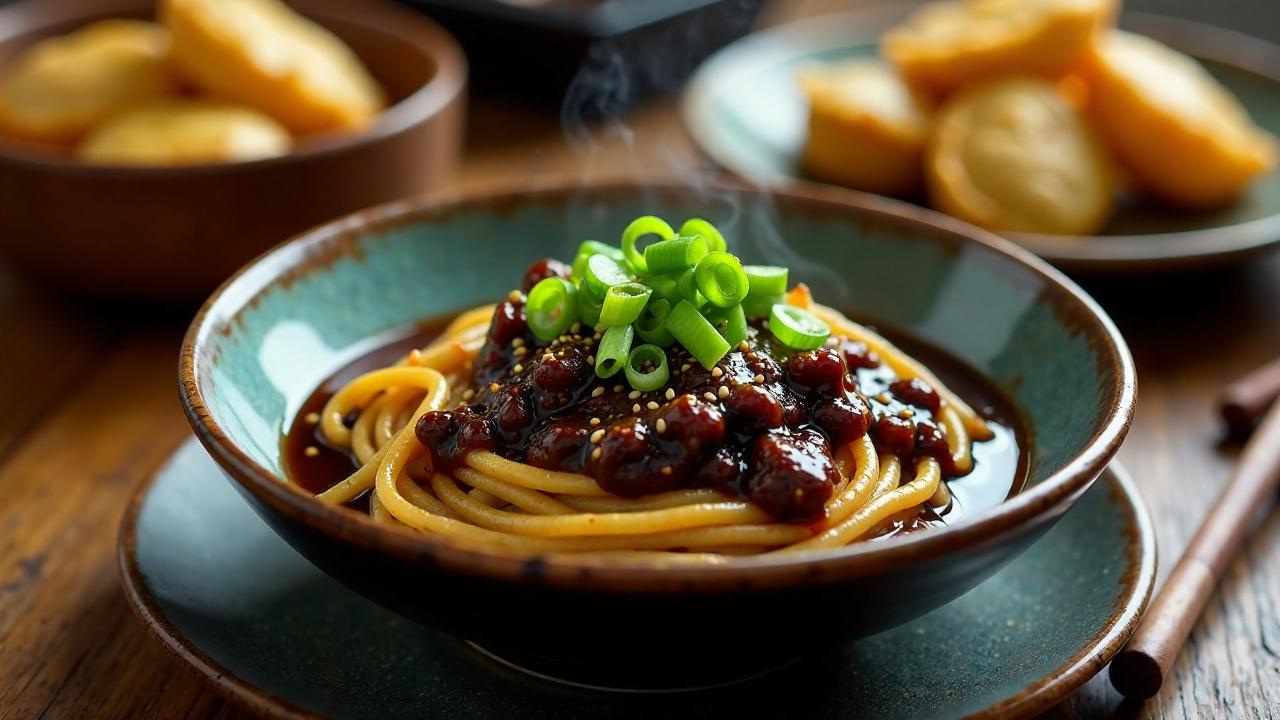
[
  {"x": 424, "y": 103},
  {"x": 302, "y": 253}
]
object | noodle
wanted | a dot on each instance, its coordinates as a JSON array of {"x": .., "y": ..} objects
[{"x": 496, "y": 501}]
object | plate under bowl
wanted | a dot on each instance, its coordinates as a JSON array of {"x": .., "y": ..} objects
[{"x": 282, "y": 639}]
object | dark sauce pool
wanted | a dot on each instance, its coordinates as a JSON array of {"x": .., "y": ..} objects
[{"x": 561, "y": 438}]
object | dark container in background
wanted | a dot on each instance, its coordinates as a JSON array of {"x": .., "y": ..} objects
[{"x": 600, "y": 57}]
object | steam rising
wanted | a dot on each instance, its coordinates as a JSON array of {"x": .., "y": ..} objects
[{"x": 619, "y": 71}]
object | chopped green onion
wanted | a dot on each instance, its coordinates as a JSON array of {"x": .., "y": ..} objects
[
  {"x": 708, "y": 232},
  {"x": 731, "y": 323},
  {"x": 665, "y": 288},
  {"x": 759, "y": 306},
  {"x": 687, "y": 289},
  {"x": 797, "y": 329},
  {"x": 721, "y": 279},
  {"x": 696, "y": 334},
  {"x": 624, "y": 303},
  {"x": 650, "y": 326},
  {"x": 603, "y": 272},
  {"x": 589, "y": 248},
  {"x": 551, "y": 308},
  {"x": 766, "y": 279},
  {"x": 589, "y": 307},
  {"x": 613, "y": 350},
  {"x": 672, "y": 256},
  {"x": 641, "y": 226},
  {"x": 654, "y": 377}
]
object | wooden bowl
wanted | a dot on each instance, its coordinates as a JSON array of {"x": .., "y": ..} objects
[
  {"x": 176, "y": 232},
  {"x": 274, "y": 331}
]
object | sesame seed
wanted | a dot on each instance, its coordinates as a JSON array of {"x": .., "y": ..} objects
[
  {"x": 595, "y": 454},
  {"x": 652, "y": 405},
  {"x": 588, "y": 342},
  {"x": 598, "y": 391},
  {"x": 635, "y": 408},
  {"x": 661, "y": 425},
  {"x": 548, "y": 357},
  {"x": 905, "y": 413},
  {"x": 494, "y": 387},
  {"x": 671, "y": 394},
  {"x": 575, "y": 328},
  {"x": 709, "y": 397},
  {"x": 743, "y": 346},
  {"x": 597, "y": 436},
  {"x": 468, "y": 394},
  {"x": 723, "y": 392},
  {"x": 518, "y": 342},
  {"x": 312, "y": 418},
  {"x": 520, "y": 352},
  {"x": 684, "y": 367},
  {"x": 311, "y": 451},
  {"x": 759, "y": 379},
  {"x": 633, "y": 394},
  {"x": 716, "y": 372},
  {"x": 518, "y": 369},
  {"x": 415, "y": 357},
  {"x": 617, "y": 388},
  {"x": 560, "y": 354},
  {"x": 832, "y": 342},
  {"x": 883, "y": 398},
  {"x": 597, "y": 336},
  {"x": 595, "y": 421},
  {"x": 666, "y": 470},
  {"x": 514, "y": 296},
  {"x": 591, "y": 359}
]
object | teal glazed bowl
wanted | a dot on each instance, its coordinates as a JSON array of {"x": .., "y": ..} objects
[{"x": 276, "y": 330}]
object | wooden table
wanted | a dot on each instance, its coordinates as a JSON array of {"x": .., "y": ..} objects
[{"x": 88, "y": 408}]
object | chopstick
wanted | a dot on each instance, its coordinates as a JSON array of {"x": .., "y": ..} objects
[
  {"x": 1245, "y": 400},
  {"x": 1139, "y": 669}
]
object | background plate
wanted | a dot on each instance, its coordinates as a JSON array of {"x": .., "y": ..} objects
[{"x": 744, "y": 110}]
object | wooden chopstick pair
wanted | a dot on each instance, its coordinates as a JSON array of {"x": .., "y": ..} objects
[{"x": 1139, "y": 669}]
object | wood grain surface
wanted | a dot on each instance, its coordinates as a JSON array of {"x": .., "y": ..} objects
[{"x": 88, "y": 408}]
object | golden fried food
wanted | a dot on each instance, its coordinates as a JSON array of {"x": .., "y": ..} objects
[
  {"x": 945, "y": 45},
  {"x": 1013, "y": 155},
  {"x": 60, "y": 87},
  {"x": 1182, "y": 137},
  {"x": 184, "y": 133},
  {"x": 263, "y": 54},
  {"x": 867, "y": 130}
]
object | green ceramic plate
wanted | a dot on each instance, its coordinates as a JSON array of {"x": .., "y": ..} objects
[
  {"x": 744, "y": 111},
  {"x": 234, "y": 602}
]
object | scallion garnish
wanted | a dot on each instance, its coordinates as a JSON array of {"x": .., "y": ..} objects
[
  {"x": 766, "y": 279},
  {"x": 624, "y": 303},
  {"x": 731, "y": 323},
  {"x": 721, "y": 279},
  {"x": 680, "y": 288},
  {"x": 589, "y": 248},
  {"x": 673, "y": 256},
  {"x": 603, "y": 272},
  {"x": 797, "y": 329},
  {"x": 647, "y": 368},
  {"x": 696, "y": 334},
  {"x": 614, "y": 348},
  {"x": 708, "y": 232},
  {"x": 551, "y": 308},
  {"x": 756, "y": 305},
  {"x": 641, "y": 226},
  {"x": 651, "y": 325}
]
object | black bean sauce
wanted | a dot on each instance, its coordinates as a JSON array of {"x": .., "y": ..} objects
[{"x": 760, "y": 425}]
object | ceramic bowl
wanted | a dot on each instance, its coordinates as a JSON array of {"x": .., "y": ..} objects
[
  {"x": 275, "y": 330},
  {"x": 166, "y": 232}
]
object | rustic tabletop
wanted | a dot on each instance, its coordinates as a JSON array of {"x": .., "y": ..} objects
[{"x": 88, "y": 409}]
